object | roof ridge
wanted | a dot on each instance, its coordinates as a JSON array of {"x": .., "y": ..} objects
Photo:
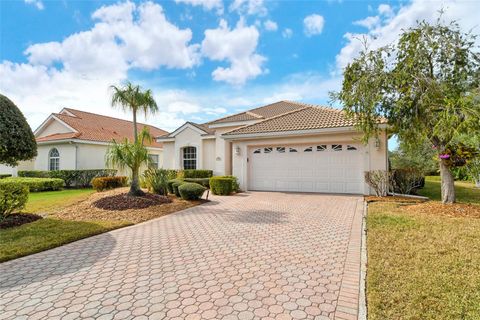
[
  {"x": 272, "y": 118},
  {"x": 254, "y": 114},
  {"x": 314, "y": 106},
  {"x": 101, "y": 115}
]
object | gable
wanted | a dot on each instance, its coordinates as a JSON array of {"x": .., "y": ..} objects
[{"x": 52, "y": 126}]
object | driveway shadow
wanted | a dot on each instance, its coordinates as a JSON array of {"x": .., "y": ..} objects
[{"x": 56, "y": 262}]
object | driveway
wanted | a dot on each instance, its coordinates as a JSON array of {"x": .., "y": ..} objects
[{"x": 256, "y": 255}]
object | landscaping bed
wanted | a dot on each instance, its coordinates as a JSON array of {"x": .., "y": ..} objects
[
  {"x": 86, "y": 210},
  {"x": 17, "y": 219},
  {"x": 124, "y": 202}
]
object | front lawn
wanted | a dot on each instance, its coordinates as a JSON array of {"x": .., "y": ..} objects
[
  {"x": 465, "y": 190},
  {"x": 50, "y": 201},
  {"x": 48, "y": 233},
  {"x": 423, "y": 258}
]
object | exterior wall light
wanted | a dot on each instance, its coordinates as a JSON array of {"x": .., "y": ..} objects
[
  {"x": 237, "y": 150},
  {"x": 377, "y": 143}
]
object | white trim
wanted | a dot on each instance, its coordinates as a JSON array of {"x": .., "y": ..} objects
[
  {"x": 184, "y": 126},
  {"x": 235, "y": 123},
  {"x": 167, "y": 139},
  {"x": 102, "y": 143},
  {"x": 47, "y": 122},
  {"x": 210, "y": 136},
  {"x": 65, "y": 111},
  {"x": 288, "y": 133}
]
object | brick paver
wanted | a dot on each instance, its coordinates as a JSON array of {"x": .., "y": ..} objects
[{"x": 252, "y": 256}]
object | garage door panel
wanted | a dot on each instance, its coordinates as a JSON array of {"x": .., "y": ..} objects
[{"x": 319, "y": 169}]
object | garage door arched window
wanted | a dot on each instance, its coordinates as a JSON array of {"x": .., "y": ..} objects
[
  {"x": 54, "y": 160},
  {"x": 189, "y": 158}
]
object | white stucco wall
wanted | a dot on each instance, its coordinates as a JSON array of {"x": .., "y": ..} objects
[
  {"x": 208, "y": 154},
  {"x": 53, "y": 127},
  {"x": 373, "y": 159},
  {"x": 67, "y": 156}
]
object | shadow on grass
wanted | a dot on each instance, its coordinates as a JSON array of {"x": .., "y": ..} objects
[{"x": 50, "y": 233}]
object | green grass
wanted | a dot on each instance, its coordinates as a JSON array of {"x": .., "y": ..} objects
[
  {"x": 49, "y": 201},
  {"x": 48, "y": 233},
  {"x": 465, "y": 191},
  {"x": 422, "y": 266}
]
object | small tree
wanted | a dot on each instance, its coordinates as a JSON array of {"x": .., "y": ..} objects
[
  {"x": 17, "y": 142},
  {"x": 132, "y": 98},
  {"x": 130, "y": 155},
  {"x": 427, "y": 87}
]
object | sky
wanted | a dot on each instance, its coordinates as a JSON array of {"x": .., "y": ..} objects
[{"x": 202, "y": 59}]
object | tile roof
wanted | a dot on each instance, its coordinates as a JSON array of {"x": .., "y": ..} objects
[
  {"x": 265, "y": 112},
  {"x": 95, "y": 127},
  {"x": 308, "y": 117}
]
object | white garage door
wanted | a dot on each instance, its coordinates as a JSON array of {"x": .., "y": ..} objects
[{"x": 331, "y": 168}]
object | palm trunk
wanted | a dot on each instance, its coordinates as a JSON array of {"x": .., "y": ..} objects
[
  {"x": 448, "y": 186},
  {"x": 135, "y": 133},
  {"x": 135, "y": 185}
]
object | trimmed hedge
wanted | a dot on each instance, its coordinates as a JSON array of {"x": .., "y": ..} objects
[
  {"x": 107, "y": 183},
  {"x": 175, "y": 186},
  {"x": 221, "y": 185},
  {"x": 191, "y": 190},
  {"x": 6, "y": 175},
  {"x": 80, "y": 178},
  {"x": 13, "y": 197},
  {"x": 194, "y": 173},
  {"x": 170, "y": 185},
  {"x": 201, "y": 181},
  {"x": 38, "y": 184}
]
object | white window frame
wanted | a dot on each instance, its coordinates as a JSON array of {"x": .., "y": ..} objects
[
  {"x": 55, "y": 158},
  {"x": 190, "y": 159},
  {"x": 154, "y": 164}
]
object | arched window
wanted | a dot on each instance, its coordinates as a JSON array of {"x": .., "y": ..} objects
[
  {"x": 54, "y": 159},
  {"x": 189, "y": 158}
]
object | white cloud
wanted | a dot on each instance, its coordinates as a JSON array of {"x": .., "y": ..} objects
[
  {"x": 313, "y": 24},
  {"x": 270, "y": 25},
  {"x": 287, "y": 33},
  {"x": 37, "y": 3},
  {"x": 238, "y": 47},
  {"x": 391, "y": 24},
  {"x": 206, "y": 4},
  {"x": 251, "y": 7},
  {"x": 368, "y": 22}
]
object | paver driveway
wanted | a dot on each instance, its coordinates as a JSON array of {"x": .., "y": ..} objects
[{"x": 257, "y": 255}]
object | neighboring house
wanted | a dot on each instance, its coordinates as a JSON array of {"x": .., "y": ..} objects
[
  {"x": 74, "y": 139},
  {"x": 284, "y": 146}
]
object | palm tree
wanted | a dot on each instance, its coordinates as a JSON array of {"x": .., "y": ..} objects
[
  {"x": 132, "y": 98},
  {"x": 131, "y": 155}
]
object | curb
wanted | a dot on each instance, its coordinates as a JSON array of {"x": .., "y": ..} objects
[{"x": 362, "y": 300}]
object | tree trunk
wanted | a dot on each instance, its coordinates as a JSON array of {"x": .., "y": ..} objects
[
  {"x": 448, "y": 186},
  {"x": 135, "y": 133},
  {"x": 135, "y": 186}
]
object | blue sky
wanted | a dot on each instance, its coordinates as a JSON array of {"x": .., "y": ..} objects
[{"x": 202, "y": 58}]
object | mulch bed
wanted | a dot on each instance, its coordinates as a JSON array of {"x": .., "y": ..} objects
[
  {"x": 461, "y": 210},
  {"x": 86, "y": 210},
  {"x": 124, "y": 201},
  {"x": 17, "y": 219},
  {"x": 393, "y": 199}
]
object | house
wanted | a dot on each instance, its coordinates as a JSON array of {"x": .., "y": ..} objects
[
  {"x": 283, "y": 146},
  {"x": 74, "y": 139}
]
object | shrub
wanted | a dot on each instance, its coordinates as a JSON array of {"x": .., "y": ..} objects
[
  {"x": 38, "y": 184},
  {"x": 6, "y": 175},
  {"x": 406, "y": 181},
  {"x": 80, "y": 178},
  {"x": 171, "y": 173},
  {"x": 202, "y": 181},
  {"x": 170, "y": 185},
  {"x": 106, "y": 183},
  {"x": 175, "y": 186},
  {"x": 221, "y": 185},
  {"x": 194, "y": 173},
  {"x": 13, "y": 197},
  {"x": 156, "y": 180},
  {"x": 191, "y": 190},
  {"x": 379, "y": 180}
]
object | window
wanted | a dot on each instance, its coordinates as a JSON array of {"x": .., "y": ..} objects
[
  {"x": 337, "y": 147},
  {"x": 257, "y": 151},
  {"x": 309, "y": 149},
  {"x": 292, "y": 150},
  {"x": 53, "y": 160},
  {"x": 349, "y": 147},
  {"x": 189, "y": 158},
  {"x": 267, "y": 150},
  {"x": 153, "y": 160},
  {"x": 281, "y": 149},
  {"x": 322, "y": 147}
]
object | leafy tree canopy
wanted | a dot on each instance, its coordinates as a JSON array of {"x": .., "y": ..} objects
[{"x": 17, "y": 141}]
